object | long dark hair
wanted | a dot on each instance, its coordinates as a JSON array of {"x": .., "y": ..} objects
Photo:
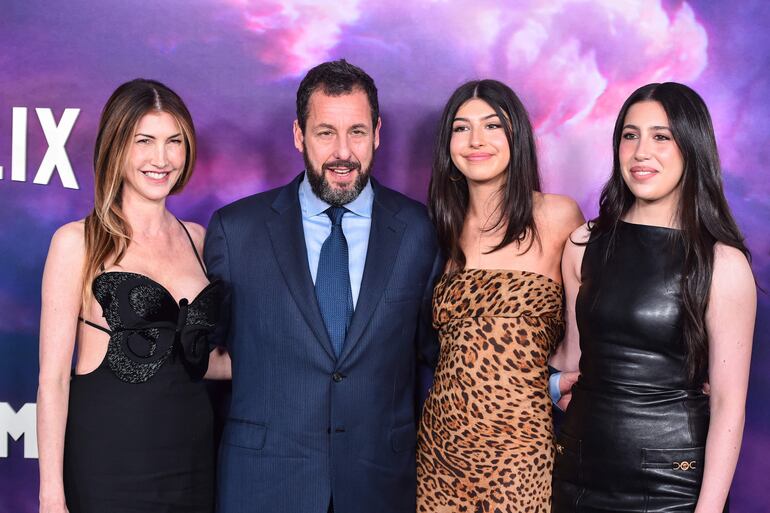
[
  {"x": 703, "y": 214},
  {"x": 448, "y": 191}
]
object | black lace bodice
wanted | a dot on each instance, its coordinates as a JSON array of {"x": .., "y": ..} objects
[{"x": 147, "y": 326}]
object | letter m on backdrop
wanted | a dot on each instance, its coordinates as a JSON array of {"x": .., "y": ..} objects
[{"x": 16, "y": 424}]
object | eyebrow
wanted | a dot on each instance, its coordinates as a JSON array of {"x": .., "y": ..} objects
[
  {"x": 655, "y": 127},
  {"x": 153, "y": 137},
  {"x": 493, "y": 115},
  {"x": 332, "y": 127}
]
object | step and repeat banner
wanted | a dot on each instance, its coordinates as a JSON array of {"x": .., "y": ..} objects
[{"x": 237, "y": 64}]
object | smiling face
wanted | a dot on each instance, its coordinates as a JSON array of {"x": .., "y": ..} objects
[
  {"x": 338, "y": 145},
  {"x": 156, "y": 157},
  {"x": 650, "y": 160},
  {"x": 479, "y": 146}
]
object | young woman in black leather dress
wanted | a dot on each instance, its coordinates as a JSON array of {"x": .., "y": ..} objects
[
  {"x": 131, "y": 429},
  {"x": 660, "y": 290}
]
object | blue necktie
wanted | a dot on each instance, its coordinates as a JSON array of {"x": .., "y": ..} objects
[{"x": 332, "y": 282}]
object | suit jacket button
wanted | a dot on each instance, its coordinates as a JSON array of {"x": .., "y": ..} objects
[{"x": 337, "y": 377}]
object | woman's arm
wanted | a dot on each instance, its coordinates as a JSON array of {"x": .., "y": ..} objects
[
  {"x": 220, "y": 366},
  {"x": 730, "y": 327},
  {"x": 61, "y": 301},
  {"x": 567, "y": 356}
]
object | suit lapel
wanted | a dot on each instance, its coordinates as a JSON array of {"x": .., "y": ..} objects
[
  {"x": 288, "y": 240},
  {"x": 384, "y": 242}
]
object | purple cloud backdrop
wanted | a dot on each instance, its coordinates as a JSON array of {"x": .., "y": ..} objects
[{"x": 237, "y": 64}]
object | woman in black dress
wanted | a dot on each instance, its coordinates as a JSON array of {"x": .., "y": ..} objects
[
  {"x": 131, "y": 429},
  {"x": 660, "y": 289}
]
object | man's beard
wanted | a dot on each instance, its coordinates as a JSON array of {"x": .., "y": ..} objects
[{"x": 334, "y": 196}]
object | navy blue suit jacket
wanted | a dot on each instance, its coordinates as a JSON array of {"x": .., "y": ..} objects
[{"x": 304, "y": 425}]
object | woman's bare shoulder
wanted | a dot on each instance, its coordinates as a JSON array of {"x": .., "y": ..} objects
[
  {"x": 70, "y": 236},
  {"x": 197, "y": 232},
  {"x": 68, "y": 248},
  {"x": 560, "y": 213},
  {"x": 732, "y": 269}
]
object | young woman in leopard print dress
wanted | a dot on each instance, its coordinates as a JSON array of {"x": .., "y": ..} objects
[{"x": 486, "y": 440}]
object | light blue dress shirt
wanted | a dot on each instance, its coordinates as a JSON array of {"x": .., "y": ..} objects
[{"x": 356, "y": 225}]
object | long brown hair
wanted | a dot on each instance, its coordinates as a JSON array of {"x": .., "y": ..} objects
[
  {"x": 448, "y": 190},
  {"x": 107, "y": 232}
]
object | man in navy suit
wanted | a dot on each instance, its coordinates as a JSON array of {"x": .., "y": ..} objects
[{"x": 331, "y": 279}]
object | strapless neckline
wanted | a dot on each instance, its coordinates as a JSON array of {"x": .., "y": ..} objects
[{"x": 478, "y": 270}]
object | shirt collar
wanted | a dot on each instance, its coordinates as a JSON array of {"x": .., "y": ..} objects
[{"x": 312, "y": 205}]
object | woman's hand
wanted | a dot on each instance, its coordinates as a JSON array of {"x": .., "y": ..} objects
[
  {"x": 566, "y": 380},
  {"x": 220, "y": 366}
]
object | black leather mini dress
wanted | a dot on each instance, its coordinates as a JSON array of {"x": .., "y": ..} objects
[{"x": 634, "y": 434}]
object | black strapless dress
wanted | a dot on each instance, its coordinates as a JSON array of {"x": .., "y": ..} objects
[
  {"x": 139, "y": 434},
  {"x": 633, "y": 436}
]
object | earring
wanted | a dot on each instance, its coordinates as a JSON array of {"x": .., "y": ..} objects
[{"x": 455, "y": 176}]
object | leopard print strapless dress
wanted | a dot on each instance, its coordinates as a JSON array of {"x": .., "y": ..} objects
[{"x": 486, "y": 438}]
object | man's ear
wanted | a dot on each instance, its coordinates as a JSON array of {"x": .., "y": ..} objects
[
  {"x": 377, "y": 133},
  {"x": 299, "y": 137}
]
